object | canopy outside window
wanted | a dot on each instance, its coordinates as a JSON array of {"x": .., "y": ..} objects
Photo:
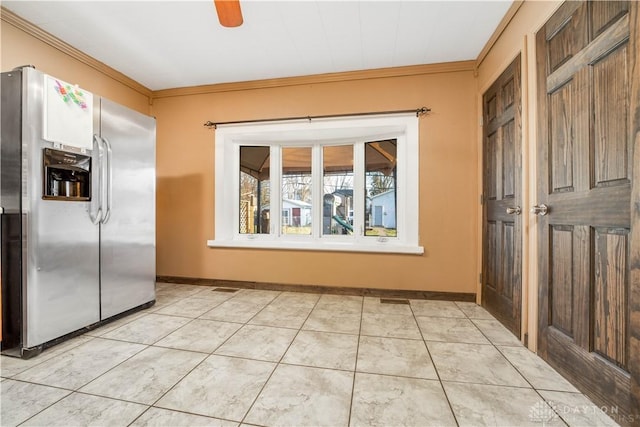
[{"x": 380, "y": 156}]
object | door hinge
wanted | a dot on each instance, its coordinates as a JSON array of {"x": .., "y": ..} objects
[
  {"x": 480, "y": 278},
  {"x": 482, "y": 199},
  {"x": 526, "y": 339}
]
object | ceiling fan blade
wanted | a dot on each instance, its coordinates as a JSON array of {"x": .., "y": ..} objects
[{"x": 229, "y": 13}]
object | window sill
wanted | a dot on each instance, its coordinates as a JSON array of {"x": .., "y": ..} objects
[{"x": 387, "y": 247}]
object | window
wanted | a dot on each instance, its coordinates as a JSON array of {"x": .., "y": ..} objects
[
  {"x": 380, "y": 192},
  {"x": 337, "y": 199},
  {"x": 254, "y": 190},
  {"x": 347, "y": 184},
  {"x": 296, "y": 191}
]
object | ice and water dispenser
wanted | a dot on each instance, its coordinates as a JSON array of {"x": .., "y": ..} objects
[{"x": 67, "y": 176}]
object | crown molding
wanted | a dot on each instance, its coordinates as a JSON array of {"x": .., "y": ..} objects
[
  {"x": 504, "y": 22},
  {"x": 34, "y": 31},
  {"x": 412, "y": 70}
]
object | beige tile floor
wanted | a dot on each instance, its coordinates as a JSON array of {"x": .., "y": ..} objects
[{"x": 202, "y": 357}]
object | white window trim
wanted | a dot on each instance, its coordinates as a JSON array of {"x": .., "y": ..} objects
[{"x": 354, "y": 130}]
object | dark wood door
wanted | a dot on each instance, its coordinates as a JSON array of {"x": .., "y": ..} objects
[
  {"x": 502, "y": 218},
  {"x": 585, "y": 178}
]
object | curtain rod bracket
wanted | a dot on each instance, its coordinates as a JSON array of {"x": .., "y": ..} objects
[
  {"x": 209, "y": 124},
  {"x": 422, "y": 111}
]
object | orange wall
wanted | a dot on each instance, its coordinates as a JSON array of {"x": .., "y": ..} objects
[
  {"x": 448, "y": 182},
  {"x": 185, "y": 160},
  {"x": 20, "y": 48}
]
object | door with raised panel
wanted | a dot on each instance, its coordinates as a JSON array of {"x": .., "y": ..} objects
[
  {"x": 586, "y": 134},
  {"x": 502, "y": 210}
]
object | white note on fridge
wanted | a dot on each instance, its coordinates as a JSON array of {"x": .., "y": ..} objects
[{"x": 68, "y": 114}]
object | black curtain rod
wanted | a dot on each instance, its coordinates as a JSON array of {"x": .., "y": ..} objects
[{"x": 418, "y": 112}]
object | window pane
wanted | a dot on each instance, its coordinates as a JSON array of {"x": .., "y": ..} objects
[
  {"x": 254, "y": 190},
  {"x": 381, "y": 196},
  {"x": 337, "y": 211},
  {"x": 296, "y": 190}
]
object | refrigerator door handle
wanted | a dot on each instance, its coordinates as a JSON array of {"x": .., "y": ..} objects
[
  {"x": 97, "y": 218},
  {"x": 109, "y": 180}
]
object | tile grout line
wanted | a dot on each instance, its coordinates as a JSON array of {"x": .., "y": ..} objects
[
  {"x": 355, "y": 367},
  {"x": 147, "y": 346},
  {"x": 256, "y": 313},
  {"x": 41, "y": 411},
  {"x": 153, "y": 405},
  {"x": 513, "y": 366},
  {"x": 192, "y": 319},
  {"x": 435, "y": 368},
  {"x": 278, "y": 363},
  {"x": 502, "y": 354},
  {"x": 77, "y": 390},
  {"x": 216, "y": 305},
  {"x": 176, "y": 410},
  {"x": 173, "y": 302},
  {"x": 72, "y": 391},
  {"x": 542, "y": 398},
  {"x": 92, "y": 338},
  {"x": 41, "y": 385}
]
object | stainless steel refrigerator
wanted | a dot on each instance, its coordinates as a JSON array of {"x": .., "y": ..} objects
[{"x": 77, "y": 198}]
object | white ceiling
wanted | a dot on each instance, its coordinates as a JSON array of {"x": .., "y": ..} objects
[{"x": 167, "y": 44}]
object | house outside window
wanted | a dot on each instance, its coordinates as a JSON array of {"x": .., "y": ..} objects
[{"x": 347, "y": 184}]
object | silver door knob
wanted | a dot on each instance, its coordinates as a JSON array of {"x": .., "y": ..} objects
[
  {"x": 514, "y": 211},
  {"x": 541, "y": 209}
]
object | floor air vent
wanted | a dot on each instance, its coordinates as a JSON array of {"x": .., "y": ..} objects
[
  {"x": 229, "y": 290},
  {"x": 393, "y": 301}
]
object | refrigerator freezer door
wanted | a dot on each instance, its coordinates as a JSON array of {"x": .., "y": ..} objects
[
  {"x": 10, "y": 217},
  {"x": 127, "y": 234},
  {"x": 62, "y": 270}
]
